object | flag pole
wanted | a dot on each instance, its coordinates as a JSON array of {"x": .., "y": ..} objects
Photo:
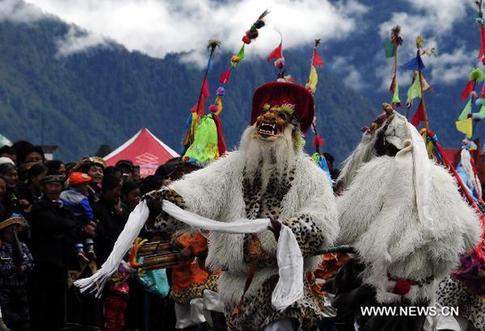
[
  {"x": 419, "y": 45},
  {"x": 396, "y": 40},
  {"x": 213, "y": 44}
]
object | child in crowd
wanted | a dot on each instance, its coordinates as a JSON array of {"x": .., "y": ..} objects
[{"x": 76, "y": 199}]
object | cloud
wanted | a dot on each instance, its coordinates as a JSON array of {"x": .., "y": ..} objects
[
  {"x": 433, "y": 19},
  {"x": 77, "y": 40},
  {"x": 160, "y": 27},
  {"x": 352, "y": 76},
  {"x": 19, "y": 12},
  {"x": 451, "y": 67}
]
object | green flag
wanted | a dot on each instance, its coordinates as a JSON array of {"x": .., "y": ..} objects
[
  {"x": 241, "y": 53},
  {"x": 395, "y": 95},
  {"x": 389, "y": 49},
  {"x": 414, "y": 90}
]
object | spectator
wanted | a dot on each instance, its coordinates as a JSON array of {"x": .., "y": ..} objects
[
  {"x": 31, "y": 190},
  {"x": 151, "y": 183},
  {"x": 57, "y": 166},
  {"x": 27, "y": 155},
  {"x": 15, "y": 263},
  {"x": 76, "y": 200},
  {"x": 21, "y": 149},
  {"x": 3, "y": 195},
  {"x": 53, "y": 227},
  {"x": 174, "y": 169},
  {"x": 126, "y": 167},
  {"x": 36, "y": 155},
  {"x": 7, "y": 151},
  {"x": 113, "y": 171},
  {"x": 136, "y": 173},
  {"x": 70, "y": 167},
  {"x": 110, "y": 216},
  {"x": 94, "y": 168},
  {"x": 167, "y": 169},
  {"x": 130, "y": 195},
  {"x": 11, "y": 203}
]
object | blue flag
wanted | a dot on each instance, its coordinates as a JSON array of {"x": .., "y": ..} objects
[{"x": 415, "y": 64}]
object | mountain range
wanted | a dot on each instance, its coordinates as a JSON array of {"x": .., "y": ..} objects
[{"x": 105, "y": 94}]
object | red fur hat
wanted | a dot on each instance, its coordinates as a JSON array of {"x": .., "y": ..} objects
[{"x": 279, "y": 93}]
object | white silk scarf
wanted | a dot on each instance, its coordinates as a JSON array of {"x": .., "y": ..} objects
[{"x": 288, "y": 290}]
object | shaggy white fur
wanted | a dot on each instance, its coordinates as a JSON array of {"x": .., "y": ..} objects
[
  {"x": 378, "y": 216},
  {"x": 363, "y": 153},
  {"x": 216, "y": 192}
]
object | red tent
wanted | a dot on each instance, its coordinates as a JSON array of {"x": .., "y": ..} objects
[{"x": 143, "y": 149}]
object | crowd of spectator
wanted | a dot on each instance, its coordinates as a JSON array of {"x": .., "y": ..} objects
[{"x": 58, "y": 223}]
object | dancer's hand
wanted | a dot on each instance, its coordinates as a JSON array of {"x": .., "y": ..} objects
[
  {"x": 154, "y": 201},
  {"x": 275, "y": 228}
]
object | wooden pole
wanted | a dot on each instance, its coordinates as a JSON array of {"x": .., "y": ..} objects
[{"x": 426, "y": 120}]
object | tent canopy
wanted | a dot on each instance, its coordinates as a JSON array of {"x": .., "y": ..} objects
[{"x": 143, "y": 149}]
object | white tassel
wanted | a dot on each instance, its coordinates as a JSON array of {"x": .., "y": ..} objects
[{"x": 130, "y": 232}]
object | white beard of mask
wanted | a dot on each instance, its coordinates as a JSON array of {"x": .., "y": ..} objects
[{"x": 259, "y": 155}]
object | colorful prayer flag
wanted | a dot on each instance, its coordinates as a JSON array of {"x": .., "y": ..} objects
[
  {"x": 414, "y": 90},
  {"x": 415, "y": 64},
  {"x": 419, "y": 115},
  {"x": 312, "y": 79},
  {"x": 470, "y": 86},
  {"x": 224, "y": 77},
  {"x": 277, "y": 53},
  {"x": 389, "y": 49},
  {"x": 317, "y": 59},
  {"x": 465, "y": 126},
  {"x": 466, "y": 111}
]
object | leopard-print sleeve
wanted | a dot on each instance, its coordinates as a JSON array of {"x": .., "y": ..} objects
[
  {"x": 163, "y": 222},
  {"x": 308, "y": 233}
]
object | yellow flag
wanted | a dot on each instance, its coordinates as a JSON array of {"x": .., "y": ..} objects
[
  {"x": 465, "y": 126},
  {"x": 312, "y": 79}
]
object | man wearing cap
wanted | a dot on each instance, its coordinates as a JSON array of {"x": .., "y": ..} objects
[
  {"x": 52, "y": 226},
  {"x": 76, "y": 199},
  {"x": 268, "y": 177},
  {"x": 15, "y": 264}
]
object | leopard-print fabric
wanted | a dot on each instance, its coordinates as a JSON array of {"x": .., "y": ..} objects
[
  {"x": 163, "y": 222},
  {"x": 212, "y": 281},
  {"x": 183, "y": 297},
  {"x": 266, "y": 204},
  {"x": 453, "y": 293},
  {"x": 307, "y": 234},
  {"x": 256, "y": 311},
  {"x": 196, "y": 290}
]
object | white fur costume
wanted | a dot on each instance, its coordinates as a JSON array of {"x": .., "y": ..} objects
[
  {"x": 306, "y": 205},
  {"x": 378, "y": 216}
]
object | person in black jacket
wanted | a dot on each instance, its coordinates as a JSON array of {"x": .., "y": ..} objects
[
  {"x": 52, "y": 228},
  {"x": 111, "y": 218},
  {"x": 110, "y": 215}
]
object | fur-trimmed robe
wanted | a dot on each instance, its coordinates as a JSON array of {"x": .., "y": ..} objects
[
  {"x": 298, "y": 195},
  {"x": 378, "y": 216}
]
